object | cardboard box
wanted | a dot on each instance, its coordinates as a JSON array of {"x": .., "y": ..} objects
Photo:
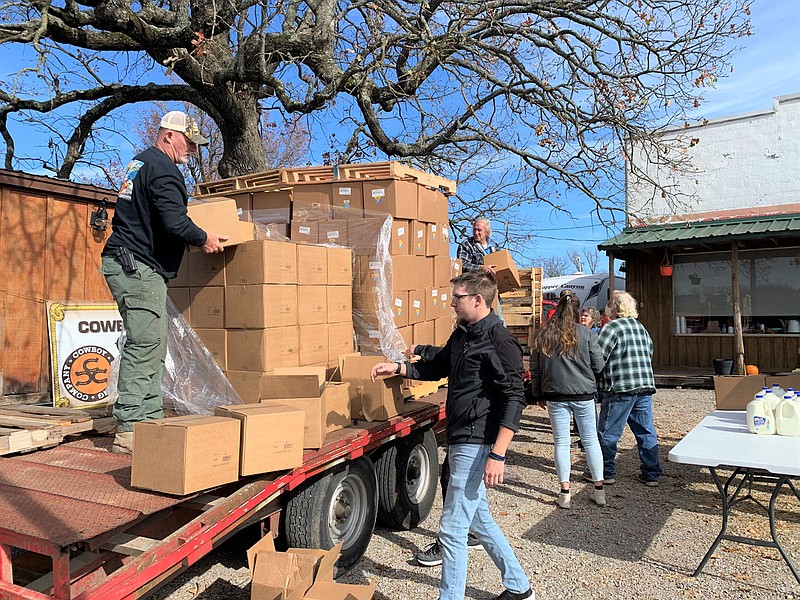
[
  {"x": 245, "y": 383},
  {"x": 244, "y": 203},
  {"x": 271, "y": 436},
  {"x": 417, "y": 303},
  {"x": 407, "y": 335},
  {"x": 367, "y": 274},
  {"x": 404, "y": 277},
  {"x": 260, "y": 306},
  {"x": 318, "y": 210},
  {"x": 182, "y": 455},
  {"x": 181, "y": 278},
  {"x": 423, "y": 266},
  {"x": 445, "y": 310},
  {"x": 326, "y": 405},
  {"x": 340, "y": 266},
  {"x": 218, "y": 216},
  {"x": 279, "y": 575},
  {"x": 347, "y": 195},
  {"x": 418, "y": 240},
  {"x": 442, "y": 330},
  {"x": 272, "y": 206},
  {"x": 263, "y": 349},
  {"x": 333, "y": 231},
  {"x": 399, "y": 308},
  {"x": 207, "y": 307},
  {"x": 215, "y": 341},
  {"x": 392, "y": 197},
  {"x": 262, "y": 261},
  {"x": 288, "y": 575},
  {"x": 329, "y": 590},
  {"x": 181, "y": 298},
  {"x": 312, "y": 265},
  {"x": 505, "y": 270},
  {"x": 206, "y": 269},
  {"x": 444, "y": 239},
  {"x": 424, "y": 333},
  {"x": 456, "y": 269},
  {"x": 733, "y": 392},
  {"x": 785, "y": 381},
  {"x": 371, "y": 401},
  {"x": 441, "y": 271},
  {"x": 313, "y": 344},
  {"x": 365, "y": 233},
  {"x": 312, "y": 193},
  {"x": 304, "y": 231},
  {"x": 340, "y": 341},
  {"x": 432, "y": 300},
  {"x": 431, "y": 205},
  {"x": 433, "y": 237},
  {"x": 312, "y": 304},
  {"x": 401, "y": 236},
  {"x": 339, "y": 299}
]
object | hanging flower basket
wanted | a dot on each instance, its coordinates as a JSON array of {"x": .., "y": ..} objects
[{"x": 666, "y": 266}]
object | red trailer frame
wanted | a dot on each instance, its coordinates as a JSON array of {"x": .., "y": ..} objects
[{"x": 122, "y": 561}]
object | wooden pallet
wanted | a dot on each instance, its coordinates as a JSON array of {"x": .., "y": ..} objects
[
  {"x": 322, "y": 174},
  {"x": 24, "y": 427},
  {"x": 522, "y": 309}
]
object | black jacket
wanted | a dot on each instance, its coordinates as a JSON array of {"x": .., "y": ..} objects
[
  {"x": 483, "y": 362},
  {"x": 150, "y": 217}
]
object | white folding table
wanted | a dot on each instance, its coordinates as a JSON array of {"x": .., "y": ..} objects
[{"x": 722, "y": 440}]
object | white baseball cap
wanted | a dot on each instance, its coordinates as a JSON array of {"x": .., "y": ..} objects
[{"x": 180, "y": 121}]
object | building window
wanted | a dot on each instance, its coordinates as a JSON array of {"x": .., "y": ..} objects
[{"x": 769, "y": 284}]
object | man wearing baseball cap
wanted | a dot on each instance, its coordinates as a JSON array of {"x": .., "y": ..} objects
[{"x": 151, "y": 229}]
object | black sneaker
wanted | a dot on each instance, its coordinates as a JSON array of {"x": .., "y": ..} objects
[
  {"x": 509, "y": 595},
  {"x": 431, "y": 556},
  {"x": 647, "y": 480},
  {"x": 473, "y": 543}
]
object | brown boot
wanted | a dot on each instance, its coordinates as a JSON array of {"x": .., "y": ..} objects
[{"x": 123, "y": 442}]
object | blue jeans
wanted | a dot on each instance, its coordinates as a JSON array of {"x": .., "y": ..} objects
[
  {"x": 585, "y": 419},
  {"x": 637, "y": 411},
  {"x": 465, "y": 510}
]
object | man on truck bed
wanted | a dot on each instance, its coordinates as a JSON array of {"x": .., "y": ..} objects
[
  {"x": 150, "y": 232},
  {"x": 484, "y": 404}
]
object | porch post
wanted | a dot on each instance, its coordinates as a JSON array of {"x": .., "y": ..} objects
[
  {"x": 738, "y": 339},
  {"x": 610, "y": 273}
]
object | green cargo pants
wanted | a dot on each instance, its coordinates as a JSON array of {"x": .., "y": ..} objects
[{"x": 142, "y": 301}]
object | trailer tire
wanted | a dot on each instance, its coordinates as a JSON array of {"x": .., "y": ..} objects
[
  {"x": 408, "y": 472},
  {"x": 340, "y": 506}
]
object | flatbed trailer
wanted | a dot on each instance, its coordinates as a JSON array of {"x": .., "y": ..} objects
[{"x": 72, "y": 528}]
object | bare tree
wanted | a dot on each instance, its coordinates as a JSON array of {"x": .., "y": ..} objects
[
  {"x": 592, "y": 258},
  {"x": 554, "y": 266},
  {"x": 555, "y": 85}
]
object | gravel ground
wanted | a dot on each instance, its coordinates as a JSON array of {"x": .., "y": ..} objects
[{"x": 645, "y": 544}]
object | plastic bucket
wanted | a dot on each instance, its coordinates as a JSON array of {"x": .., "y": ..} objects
[{"x": 723, "y": 366}]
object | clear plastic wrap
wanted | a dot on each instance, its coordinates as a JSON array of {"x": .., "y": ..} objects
[{"x": 193, "y": 382}]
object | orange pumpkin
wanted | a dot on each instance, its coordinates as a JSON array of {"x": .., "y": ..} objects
[{"x": 751, "y": 370}]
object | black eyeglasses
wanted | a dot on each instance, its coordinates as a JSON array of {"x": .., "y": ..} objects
[{"x": 458, "y": 297}]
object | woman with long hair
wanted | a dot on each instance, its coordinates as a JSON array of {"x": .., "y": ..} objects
[{"x": 565, "y": 359}]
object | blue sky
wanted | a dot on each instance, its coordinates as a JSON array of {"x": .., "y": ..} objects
[{"x": 766, "y": 66}]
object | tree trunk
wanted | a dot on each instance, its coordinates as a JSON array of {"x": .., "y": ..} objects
[{"x": 244, "y": 147}]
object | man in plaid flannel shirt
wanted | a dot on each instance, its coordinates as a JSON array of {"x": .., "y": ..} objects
[{"x": 627, "y": 387}]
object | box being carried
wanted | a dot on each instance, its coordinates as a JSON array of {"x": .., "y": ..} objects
[
  {"x": 505, "y": 271},
  {"x": 218, "y": 216},
  {"x": 371, "y": 401}
]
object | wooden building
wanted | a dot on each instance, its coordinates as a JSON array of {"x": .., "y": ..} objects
[
  {"x": 47, "y": 252},
  {"x": 712, "y": 252}
]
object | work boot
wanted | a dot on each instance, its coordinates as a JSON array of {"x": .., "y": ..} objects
[{"x": 123, "y": 442}]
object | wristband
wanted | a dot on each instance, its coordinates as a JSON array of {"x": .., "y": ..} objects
[
  {"x": 399, "y": 367},
  {"x": 497, "y": 457}
]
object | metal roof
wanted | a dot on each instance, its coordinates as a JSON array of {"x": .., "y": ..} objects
[{"x": 705, "y": 232}]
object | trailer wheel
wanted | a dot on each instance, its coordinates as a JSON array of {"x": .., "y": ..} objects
[
  {"x": 341, "y": 506},
  {"x": 407, "y": 475}
]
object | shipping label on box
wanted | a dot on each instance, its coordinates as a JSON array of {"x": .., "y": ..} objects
[
  {"x": 334, "y": 231},
  {"x": 271, "y": 436},
  {"x": 400, "y": 308},
  {"x": 262, "y": 261},
  {"x": 432, "y": 239},
  {"x": 445, "y": 310},
  {"x": 417, "y": 303},
  {"x": 312, "y": 265},
  {"x": 432, "y": 299},
  {"x": 391, "y": 197},
  {"x": 419, "y": 240},
  {"x": 261, "y": 306},
  {"x": 456, "y": 267},
  {"x": 182, "y": 455},
  {"x": 207, "y": 307},
  {"x": 305, "y": 231},
  {"x": 340, "y": 266},
  {"x": 349, "y": 197},
  {"x": 399, "y": 243}
]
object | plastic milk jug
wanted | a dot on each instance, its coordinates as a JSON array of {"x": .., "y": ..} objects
[
  {"x": 759, "y": 416},
  {"x": 778, "y": 390},
  {"x": 787, "y": 417},
  {"x": 772, "y": 399}
]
